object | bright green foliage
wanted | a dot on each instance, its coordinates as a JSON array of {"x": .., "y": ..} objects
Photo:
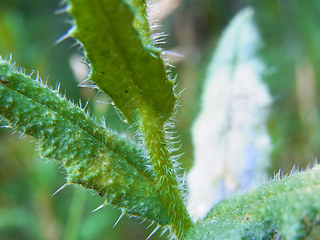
[
  {"x": 140, "y": 22},
  {"x": 92, "y": 156},
  {"x": 124, "y": 63},
  {"x": 288, "y": 208}
]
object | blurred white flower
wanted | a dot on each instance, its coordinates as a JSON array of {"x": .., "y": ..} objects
[{"x": 231, "y": 142}]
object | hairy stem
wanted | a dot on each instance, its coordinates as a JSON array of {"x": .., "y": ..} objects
[
  {"x": 125, "y": 65},
  {"x": 165, "y": 177}
]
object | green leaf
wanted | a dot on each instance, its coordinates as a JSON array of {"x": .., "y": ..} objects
[
  {"x": 128, "y": 67},
  {"x": 123, "y": 61},
  {"x": 93, "y": 157},
  {"x": 288, "y": 208}
]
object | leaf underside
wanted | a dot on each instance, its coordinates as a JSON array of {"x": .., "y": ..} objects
[{"x": 124, "y": 63}]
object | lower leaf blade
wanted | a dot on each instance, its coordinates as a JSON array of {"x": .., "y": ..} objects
[
  {"x": 288, "y": 208},
  {"x": 93, "y": 157}
]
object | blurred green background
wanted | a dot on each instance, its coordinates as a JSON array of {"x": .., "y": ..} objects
[{"x": 290, "y": 31}]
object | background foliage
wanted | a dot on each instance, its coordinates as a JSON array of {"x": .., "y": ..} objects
[{"x": 28, "y": 29}]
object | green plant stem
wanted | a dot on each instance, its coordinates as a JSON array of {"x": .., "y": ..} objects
[
  {"x": 165, "y": 177},
  {"x": 125, "y": 65}
]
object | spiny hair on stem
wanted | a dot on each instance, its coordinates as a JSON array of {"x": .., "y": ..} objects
[
  {"x": 295, "y": 170},
  {"x": 68, "y": 34},
  {"x": 123, "y": 213},
  {"x": 159, "y": 37},
  {"x": 100, "y": 207},
  {"x": 153, "y": 232},
  {"x": 60, "y": 188},
  {"x": 63, "y": 9},
  {"x": 87, "y": 83},
  {"x": 173, "y": 145}
]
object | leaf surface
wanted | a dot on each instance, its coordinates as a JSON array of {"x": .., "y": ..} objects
[
  {"x": 288, "y": 208},
  {"x": 93, "y": 157},
  {"x": 124, "y": 63}
]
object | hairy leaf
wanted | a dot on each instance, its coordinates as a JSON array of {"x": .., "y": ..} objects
[
  {"x": 288, "y": 208},
  {"x": 93, "y": 157},
  {"x": 128, "y": 67},
  {"x": 123, "y": 61}
]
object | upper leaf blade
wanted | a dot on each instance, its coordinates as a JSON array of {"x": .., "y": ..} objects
[{"x": 123, "y": 63}]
